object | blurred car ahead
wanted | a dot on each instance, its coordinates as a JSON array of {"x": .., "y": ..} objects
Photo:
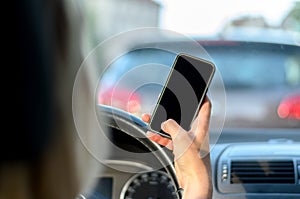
[{"x": 258, "y": 78}]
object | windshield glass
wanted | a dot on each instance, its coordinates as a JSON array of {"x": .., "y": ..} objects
[{"x": 254, "y": 45}]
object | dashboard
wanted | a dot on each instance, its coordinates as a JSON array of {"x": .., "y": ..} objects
[
  {"x": 138, "y": 183},
  {"x": 246, "y": 163}
]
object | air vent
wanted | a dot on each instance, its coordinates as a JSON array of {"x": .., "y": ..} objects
[{"x": 265, "y": 172}]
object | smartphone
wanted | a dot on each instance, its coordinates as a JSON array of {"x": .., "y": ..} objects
[{"x": 183, "y": 92}]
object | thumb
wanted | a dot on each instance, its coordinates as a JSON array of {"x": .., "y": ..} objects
[
  {"x": 171, "y": 127},
  {"x": 180, "y": 138}
]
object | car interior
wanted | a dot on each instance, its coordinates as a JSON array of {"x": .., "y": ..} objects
[{"x": 252, "y": 157}]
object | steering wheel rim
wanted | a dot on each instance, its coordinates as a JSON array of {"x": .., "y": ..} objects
[{"x": 136, "y": 128}]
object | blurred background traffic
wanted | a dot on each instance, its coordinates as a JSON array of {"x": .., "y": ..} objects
[{"x": 254, "y": 44}]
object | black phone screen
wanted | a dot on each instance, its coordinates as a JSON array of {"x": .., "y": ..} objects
[{"x": 183, "y": 92}]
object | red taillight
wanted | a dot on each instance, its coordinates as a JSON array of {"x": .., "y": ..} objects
[
  {"x": 290, "y": 107},
  {"x": 123, "y": 99},
  {"x": 133, "y": 106}
]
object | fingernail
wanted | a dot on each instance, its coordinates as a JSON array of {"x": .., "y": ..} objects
[{"x": 149, "y": 134}]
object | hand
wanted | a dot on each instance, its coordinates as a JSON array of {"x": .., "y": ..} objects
[{"x": 193, "y": 171}]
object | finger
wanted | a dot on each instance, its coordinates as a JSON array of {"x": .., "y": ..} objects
[
  {"x": 180, "y": 138},
  {"x": 171, "y": 127},
  {"x": 160, "y": 140},
  {"x": 152, "y": 136},
  {"x": 205, "y": 112},
  {"x": 201, "y": 132},
  {"x": 200, "y": 126},
  {"x": 146, "y": 118}
]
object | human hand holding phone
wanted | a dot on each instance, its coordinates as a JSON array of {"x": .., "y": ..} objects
[{"x": 193, "y": 171}]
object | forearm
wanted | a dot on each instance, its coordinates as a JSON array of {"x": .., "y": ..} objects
[{"x": 199, "y": 185}]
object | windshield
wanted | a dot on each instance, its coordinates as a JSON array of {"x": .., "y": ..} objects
[{"x": 254, "y": 45}]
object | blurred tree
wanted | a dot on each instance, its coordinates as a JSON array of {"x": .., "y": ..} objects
[{"x": 292, "y": 20}]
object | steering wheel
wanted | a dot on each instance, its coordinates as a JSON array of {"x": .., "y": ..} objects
[{"x": 132, "y": 126}]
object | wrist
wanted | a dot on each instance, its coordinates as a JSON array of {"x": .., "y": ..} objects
[
  {"x": 197, "y": 183},
  {"x": 197, "y": 187}
]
